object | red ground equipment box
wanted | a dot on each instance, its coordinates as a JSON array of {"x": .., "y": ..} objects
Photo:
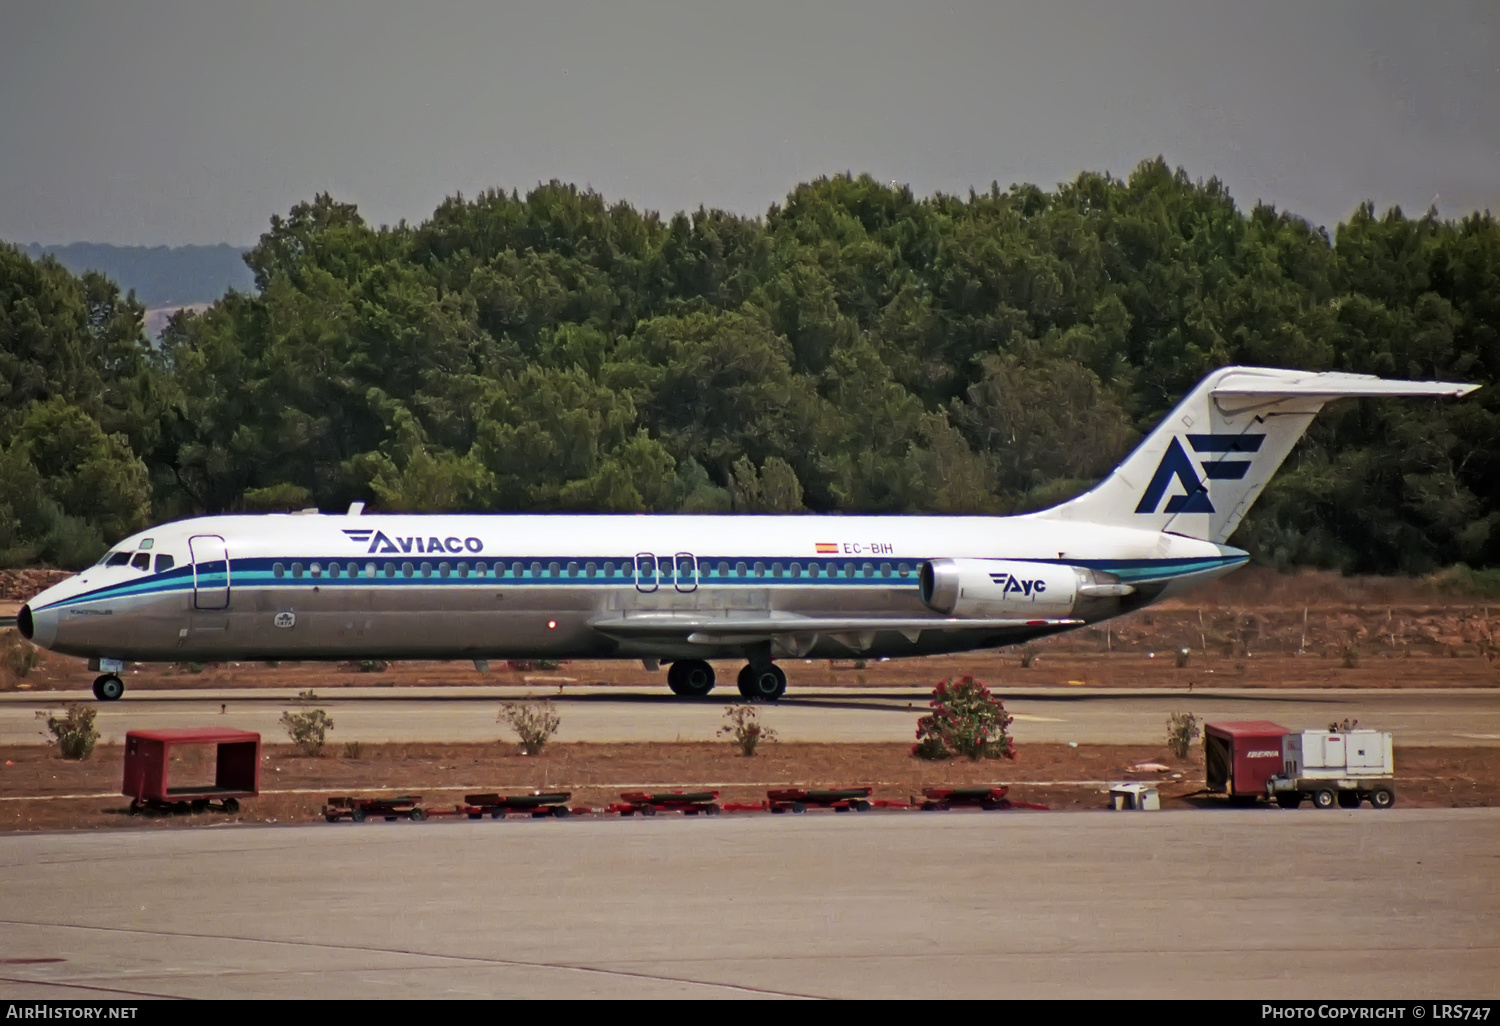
[
  {"x": 236, "y": 768},
  {"x": 1240, "y": 756}
]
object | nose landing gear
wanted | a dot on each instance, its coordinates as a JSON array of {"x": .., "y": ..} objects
[{"x": 108, "y": 687}]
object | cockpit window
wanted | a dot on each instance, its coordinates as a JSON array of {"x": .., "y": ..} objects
[
  {"x": 118, "y": 559},
  {"x": 164, "y": 563},
  {"x": 142, "y": 561},
  {"x": 146, "y": 543}
]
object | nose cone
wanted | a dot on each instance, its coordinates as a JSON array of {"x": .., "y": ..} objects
[{"x": 37, "y": 627}]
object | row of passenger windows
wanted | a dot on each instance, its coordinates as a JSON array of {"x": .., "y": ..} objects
[{"x": 624, "y": 570}]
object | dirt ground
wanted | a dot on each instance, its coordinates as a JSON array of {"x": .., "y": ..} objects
[{"x": 81, "y": 795}]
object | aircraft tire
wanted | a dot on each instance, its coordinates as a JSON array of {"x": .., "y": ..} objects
[
  {"x": 766, "y": 685},
  {"x": 108, "y": 687},
  {"x": 691, "y": 678}
]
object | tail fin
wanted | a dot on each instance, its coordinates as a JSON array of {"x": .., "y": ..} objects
[{"x": 1199, "y": 471}]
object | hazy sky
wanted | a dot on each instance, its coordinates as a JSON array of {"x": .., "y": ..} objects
[{"x": 176, "y": 122}]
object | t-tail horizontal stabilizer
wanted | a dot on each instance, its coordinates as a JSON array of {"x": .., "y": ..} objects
[{"x": 1199, "y": 471}]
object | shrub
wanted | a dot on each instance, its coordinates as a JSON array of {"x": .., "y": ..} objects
[
  {"x": 533, "y": 722},
  {"x": 20, "y": 656},
  {"x": 1349, "y": 653},
  {"x": 745, "y": 728},
  {"x": 967, "y": 720},
  {"x": 75, "y": 733},
  {"x": 308, "y": 730},
  {"x": 1028, "y": 656},
  {"x": 1183, "y": 655},
  {"x": 307, "y": 696},
  {"x": 353, "y": 749},
  {"x": 1182, "y": 731},
  {"x": 372, "y": 665}
]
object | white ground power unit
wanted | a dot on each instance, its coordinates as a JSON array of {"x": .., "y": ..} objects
[{"x": 1336, "y": 768}]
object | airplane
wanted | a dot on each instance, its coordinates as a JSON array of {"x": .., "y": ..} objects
[{"x": 684, "y": 590}]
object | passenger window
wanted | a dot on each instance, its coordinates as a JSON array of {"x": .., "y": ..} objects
[
  {"x": 426, "y": 569},
  {"x": 796, "y": 569},
  {"x": 885, "y": 569},
  {"x": 164, "y": 563},
  {"x": 296, "y": 569},
  {"x": 589, "y": 569},
  {"x": 142, "y": 561},
  {"x": 482, "y": 568},
  {"x": 390, "y": 569},
  {"x": 278, "y": 570},
  {"x": 406, "y": 569},
  {"x": 723, "y": 569},
  {"x": 903, "y": 569},
  {"x": 463, "y": 569},
  {"x": 572, "y": 569},
  {"x": 869, "y": 569},
  {"x": 775, "y": 569},
  {"x": 443, "y": 569},
  {"x": 316, "y": 570},
  {"x": 553, "y": 570},
  {"x": 119, "y": 559}
]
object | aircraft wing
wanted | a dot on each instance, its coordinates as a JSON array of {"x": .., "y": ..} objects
[{"x": 720, "y": 630}]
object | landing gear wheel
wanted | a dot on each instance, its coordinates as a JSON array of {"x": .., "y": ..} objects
[
  {"x": 1323, "y": 798},
  {"x": 1382, "y": 798},
  {"x": 691, "y": 678},
  {"x": 1288, "y": 799},
  {"x": 108, "y": 687},
  {"x": 766, "y": 684}
]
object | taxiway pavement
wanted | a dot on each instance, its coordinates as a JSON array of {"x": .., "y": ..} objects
[
  {"x": 1429, "y": 716},
  {"x": 1259, "y": 904}
]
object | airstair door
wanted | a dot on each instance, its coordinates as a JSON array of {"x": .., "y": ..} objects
[{"x": 210, "y": 571}]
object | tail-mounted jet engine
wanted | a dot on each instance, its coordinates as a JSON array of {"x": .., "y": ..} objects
[{"x": 1006, "y": 587}]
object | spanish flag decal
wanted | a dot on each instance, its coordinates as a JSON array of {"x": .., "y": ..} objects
[{"x": 828, "y": 548}]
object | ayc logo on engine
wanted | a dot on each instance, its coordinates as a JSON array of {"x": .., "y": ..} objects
[
  {"x": 1010, "y": 584},
  {"x": 1176, "y": 463},
  {"x": 383, "y": 543}
]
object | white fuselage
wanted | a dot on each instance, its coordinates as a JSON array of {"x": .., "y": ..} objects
[{"x": 315, "y": 586}]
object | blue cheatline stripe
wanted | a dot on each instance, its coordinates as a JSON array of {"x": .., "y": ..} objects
[{"x": 260, "y": 573}]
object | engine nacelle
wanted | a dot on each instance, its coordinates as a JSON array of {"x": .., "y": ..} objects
[{"x": 1012, "y": 588}]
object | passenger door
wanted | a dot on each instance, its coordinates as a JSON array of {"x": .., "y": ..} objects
[
  {"x": 645, "y": 572},
  {"x": 686, "y": 578},
  {"x": 210, "y": 571}
]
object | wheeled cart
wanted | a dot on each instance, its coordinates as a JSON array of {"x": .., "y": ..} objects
[
  {"x": 148, "y": 759},
  {"x": 407, "y": 806},
  {"x": 839, "y": 799}
]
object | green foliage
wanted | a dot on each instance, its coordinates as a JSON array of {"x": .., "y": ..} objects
[
  {"x": 354, "y": 749},
  {"x": 533, "y": 722},
  {"x": 1182, "y": 731},
  {"x": 744, "y": 729},
  {"x": 308, "y": 730},
  {"x": 967, "y": 720},
  {"x": 858, "y": 349},
  {"x": 74, "y": 733},
  {"x": 18, "y": 657}
]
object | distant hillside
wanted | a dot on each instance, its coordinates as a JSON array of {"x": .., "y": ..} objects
[{"x": 162, "y": 276}]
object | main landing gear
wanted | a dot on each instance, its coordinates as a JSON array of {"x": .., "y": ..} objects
[
  {"x": 108, "y": 687},
  {"x": 694, "y": 678},
  {"x": 767, "y": 683}
]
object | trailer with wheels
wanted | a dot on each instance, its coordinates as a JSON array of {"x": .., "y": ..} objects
[
  {"x": 1239, "y": 756},
  {"x": 154, "y": 767},
  {"x": 408, "y": 806},
  {"x": 537, "y": 804},
  {"x": 649, "y": 803},
  {"x": 1336, "y": 769},
  {"x": 839, "y": 799}
]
